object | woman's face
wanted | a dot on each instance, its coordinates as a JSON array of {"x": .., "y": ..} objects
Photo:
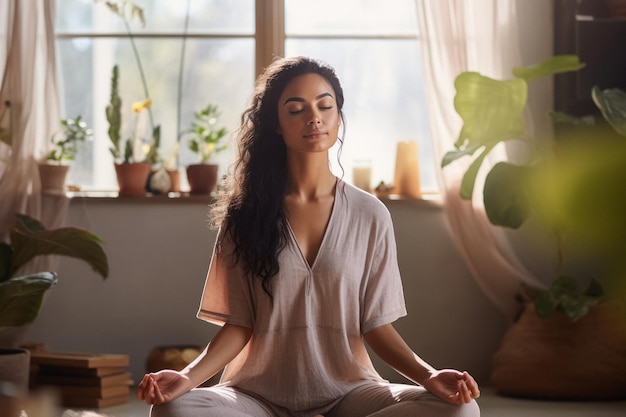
[{"x": 308, "y": 115}]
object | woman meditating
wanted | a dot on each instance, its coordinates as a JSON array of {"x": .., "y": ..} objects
[{"x": 303, "y": 275}]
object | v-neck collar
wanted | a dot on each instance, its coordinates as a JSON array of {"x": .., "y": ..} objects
[{"x": 311, "y": 266}]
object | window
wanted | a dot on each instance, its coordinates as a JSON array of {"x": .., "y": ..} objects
[
  {"x": 373, "y": 45},
  {"x": 218, "y": 68}
]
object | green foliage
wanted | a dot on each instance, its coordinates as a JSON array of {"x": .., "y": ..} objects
[
  {"x": 612, "y": 104},
  {"x": 575, "y": 187},
  {"x": 74, "y": 131},
  {"x": 505, "y": 192},
  {"x": 152, "y": 156},
  {"x": 203, "y": 137},
  {"x": 564, "y": 295},
  {"x": 492, "y": 112},
  {"x": 20, "y": 297},
  {"x": 114, "y": 115}
]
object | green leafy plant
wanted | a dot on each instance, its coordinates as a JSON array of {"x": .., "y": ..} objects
[
  {"x": 128, "y": 10},
  {"x": 204, "y": 137},
  {"x": 114, "y": 116},
  {"x": 575, "y": 186},
  {"x": 74, "y": 131},
  {"x": 21, "y": 296}
]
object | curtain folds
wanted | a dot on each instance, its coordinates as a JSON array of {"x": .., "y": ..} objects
[
  {"x": 29, "y": 108},
  {"x": 475, "y": 35},
  {"x": 29, "y": 103}
]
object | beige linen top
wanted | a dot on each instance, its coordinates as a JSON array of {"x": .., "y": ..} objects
[{"x": 307, "y": 349}]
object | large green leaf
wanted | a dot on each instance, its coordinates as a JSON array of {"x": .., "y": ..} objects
[
  {"x": 451, "y": 156},
  {"x": 505, "y": 196},
  {"x": 469, "y": 178},
  {"x": 554, "y": 65},
  {"x": 27, "y": 223},
  {"x": 67, "y": 241},
  {"x": 491, "y": 109},
  {"x": 612, "y": 104},
  {"x": 21, "y": 298}
]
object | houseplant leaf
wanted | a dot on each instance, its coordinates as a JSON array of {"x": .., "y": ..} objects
[
  {"x": 29, "y": 239},
  {"x": 554, "y": 65},
  {"x": 469, "y": 178},
  {"x": 491, "y": 109},
  {"x": 612, "y": 104},
  {"x": 504, "y": 195},
  {"x": 21, "y": 298},
  {"x": 492, "y": 113}
]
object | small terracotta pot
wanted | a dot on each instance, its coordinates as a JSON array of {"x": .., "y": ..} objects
[
  {"x": 53, "y": 178},
  {"x": 202, "y": 178},
  {"x": 132, "y": 178}
]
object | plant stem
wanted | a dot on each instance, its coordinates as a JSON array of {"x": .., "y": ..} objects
[
  {"x": 141, "y": 73},
  {"x": 560, "y": 255}
]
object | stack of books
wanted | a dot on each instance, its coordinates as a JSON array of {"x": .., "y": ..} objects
[{"x": 83, "y": 380}]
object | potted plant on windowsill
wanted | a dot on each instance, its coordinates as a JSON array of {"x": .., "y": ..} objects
[
  {"x": 53, "y": 171},
  {"x": 132, "y": 170},
  {"x": 21, "y": 295},
  {"x": 204, "y": 139},
  {"x": 570, "y": 341},
  {"x": 132, "y": 173}
]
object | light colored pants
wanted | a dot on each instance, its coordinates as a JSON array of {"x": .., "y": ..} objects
[{"x": 373, "y": 400}]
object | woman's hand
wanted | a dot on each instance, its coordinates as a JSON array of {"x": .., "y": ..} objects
[
  {"x": 452, "y": 386},
  {"x": 163, "y": 386}
]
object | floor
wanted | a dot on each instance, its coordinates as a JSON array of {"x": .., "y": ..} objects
[{"x": 491, "y": 405}]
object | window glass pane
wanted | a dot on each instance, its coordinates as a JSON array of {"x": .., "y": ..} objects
[
  {"x": 217, "y": 71},
  {"x": 384, "y": 101},
  {"x": 374, "y": 17},
  {"x": 161, "y": 16}
]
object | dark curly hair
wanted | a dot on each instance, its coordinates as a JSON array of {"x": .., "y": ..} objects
[{"x": 250, "y": 208}]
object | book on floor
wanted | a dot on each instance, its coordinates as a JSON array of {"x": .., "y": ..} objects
[
  {"x": 120, "y": 378},
  {"x": 88, "y": 380},
  {"x": 79, "y": 360}
]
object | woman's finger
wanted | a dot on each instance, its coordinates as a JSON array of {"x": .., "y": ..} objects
[
  {"x": 472, "y": 385},
  {"x": 141, "y": 388},
  {"x": 158, "y": 397}
]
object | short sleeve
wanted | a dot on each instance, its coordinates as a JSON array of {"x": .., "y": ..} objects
[
  {"x": 383, "y": 301},
  {"x": 226, "y": 297}
]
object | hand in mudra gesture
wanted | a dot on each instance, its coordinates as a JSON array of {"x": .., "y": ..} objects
[
  {"x": 452, "y": 386},
  {"x": 163, "y": 386}
]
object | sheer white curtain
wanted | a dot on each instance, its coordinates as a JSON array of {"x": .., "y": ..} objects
[
  {"x": 29, "y": 107},
  {"x": 476, "y": 35}
]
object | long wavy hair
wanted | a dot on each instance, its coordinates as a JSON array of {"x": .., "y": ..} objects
[{"x": 250, "y": 208}]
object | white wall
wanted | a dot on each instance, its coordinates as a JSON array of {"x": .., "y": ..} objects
[{"x": 159, "y": 252}]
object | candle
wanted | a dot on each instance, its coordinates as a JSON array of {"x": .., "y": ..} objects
[
  {"x": 407, "y": 180},
  {"x": 362, "y": 175}
]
